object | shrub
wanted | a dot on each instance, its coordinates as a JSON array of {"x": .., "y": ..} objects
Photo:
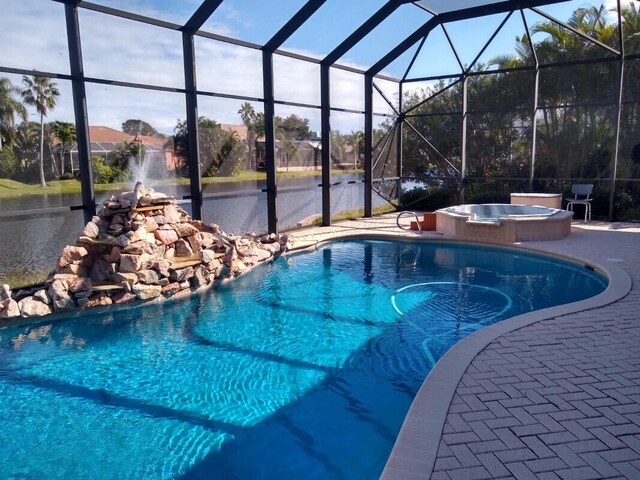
[
  {"x": 8, "y": 164},
  {"x": 428, "y": 199},
  {"x": 101, "y": 173}
]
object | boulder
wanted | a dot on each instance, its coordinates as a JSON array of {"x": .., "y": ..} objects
[
  {"x": 122, "y": 297},
  {"x": 213, "y": 265},
  {"x": 166, "y": 237},
  {"x": 130, "y": 263},
  {"x": 81, "y": 284},
  {"x": 272, "y": 248},
  {"x": 161, "y": 266},
  {"x": 42, "y": 296},
  {"x": 237, "y": 267},
  {"x": 271, "y": 238},
  {"x": 150, "y": 277},
  {"x": 181, "y": 275},
  {"x": 172, "y": 214},
  {"x": 9, "y": 309},
  {"x": 122, "y": 241},
  {"x": 97, "y": 300},
  {"x": 113, "y": 256},
  {"x": 171, "y": 289},
  {"x": 60, "y": 298},
  {"x": 146, "y": 292},
  {"x": 5, "y": 292},
  {"x": 32, "y": 307},
  {"x": 77, "y": 270},
  {"x": 139, "y": 247},
  {"x": 185, "y": 230},
  {"x": 129, "y": 278},
  {"x": 101, "y": 271},
  {"x": 183, "y": 249},
  {"x": 208, "y": 256},
  {"x": 206, "y": 239},
  {"x": 117, "y": 219},
  {"x": 91, "y": 230},
  {"x": 201, "y": 277},
  {"x": 195, "y": 242},
  {"x": 150, "y": 224},
  {"x": 71, "y": 254},
  {"x": 160, "y": 220}
]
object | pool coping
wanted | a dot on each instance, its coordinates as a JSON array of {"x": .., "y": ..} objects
[{"x": 414, "y": 453}]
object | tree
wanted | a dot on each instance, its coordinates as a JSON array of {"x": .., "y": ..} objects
[
  {"x": 41, "y": 93},
  {"x": 134, "y": 126},
  {"x": 221, "y": 152},
  {"x": 66, "y": 133},
  {"x": 294, "y": 127},
  {"x": 9, "y": 108},
  {"x": 248, "y": 115},
  {"x": 27, "y": 146}
]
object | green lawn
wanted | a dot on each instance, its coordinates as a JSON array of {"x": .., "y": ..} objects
[{"x": 13, "y": 189}]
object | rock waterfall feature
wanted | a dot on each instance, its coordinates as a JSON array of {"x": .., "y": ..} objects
[{"x": 142, "y": 246}]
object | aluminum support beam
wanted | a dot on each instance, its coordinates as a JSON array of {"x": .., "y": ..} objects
[
  {"x": 614, "y": 173},
  {"x": 399, "y": 142},
  {"x": 80, "y": 110},
  {"x": 201, "y": 15},
  {"x": 193, "y": 147},
  {"x": 368, "y": 145},
  {"x": 362, "y": 31},
  {"x": 452, "y": 16},
  {"x": 325, "y": 112},
  {"x": 534, "y": 123},
  {"x": 463, "y": 166},
  {"x": 270, "y": 141},
  {"x": 295, "y": 22}
]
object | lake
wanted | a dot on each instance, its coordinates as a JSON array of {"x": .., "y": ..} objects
[{"x": 31, "y": 244}]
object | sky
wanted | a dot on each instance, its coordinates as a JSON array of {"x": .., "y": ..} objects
[{"x": 119, "y": 49}]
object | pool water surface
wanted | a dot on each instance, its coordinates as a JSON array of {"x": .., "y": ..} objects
[{"x": 304, "y": 368}]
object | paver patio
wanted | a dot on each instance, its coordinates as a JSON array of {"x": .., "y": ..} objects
[{"x": 553, "y": 394}]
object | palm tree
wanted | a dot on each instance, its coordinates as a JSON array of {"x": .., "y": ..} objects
[
  {"x": 66, "y": 133},
  {"x": 40, "y": 92},
  {"x": 248, "y": 115},
  {"x": 9, "y": 108}
]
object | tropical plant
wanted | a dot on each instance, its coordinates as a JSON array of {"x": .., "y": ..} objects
[
  {"x": 9, "y": 109},
  {"x": 8, "y": 163},
  {"x": 27, "y": 147},
  {"x": 66, "y": 133},
  {"x": 41, "y": 93},
  {"x": 248, "y": 115},
  {"x": 221, "y": 152},
  {"x": 134, "y": 126}
]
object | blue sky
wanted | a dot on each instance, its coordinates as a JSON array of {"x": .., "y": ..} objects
[{"x": 118, "y": 49}]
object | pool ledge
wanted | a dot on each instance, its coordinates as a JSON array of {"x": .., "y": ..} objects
[{"x": 414, "y": 453}]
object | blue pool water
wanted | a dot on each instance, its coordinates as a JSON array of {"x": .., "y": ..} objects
[{"x": 304, "y": 368}]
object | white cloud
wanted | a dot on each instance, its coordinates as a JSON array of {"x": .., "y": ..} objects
[{"x": 123, "y": 50}]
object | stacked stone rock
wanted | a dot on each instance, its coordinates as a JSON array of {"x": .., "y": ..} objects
[{"x": 142, "y": 246}]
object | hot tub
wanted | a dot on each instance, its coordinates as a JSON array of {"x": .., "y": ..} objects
[{"x": 504, "y": 223}]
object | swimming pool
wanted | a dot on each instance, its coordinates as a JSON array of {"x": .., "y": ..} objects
[{"x": 302, "y": 369}]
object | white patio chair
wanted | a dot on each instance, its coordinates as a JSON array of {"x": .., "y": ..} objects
[{"x": 581, "y": 196}]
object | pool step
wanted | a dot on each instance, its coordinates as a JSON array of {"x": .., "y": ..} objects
[{"x": 427, "y": 224}]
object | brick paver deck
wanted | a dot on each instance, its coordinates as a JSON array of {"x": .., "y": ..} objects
[{"x": 549, "y": 395}]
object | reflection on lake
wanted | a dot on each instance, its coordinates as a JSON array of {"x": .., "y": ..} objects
[{"x": 32, "y": 244}]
